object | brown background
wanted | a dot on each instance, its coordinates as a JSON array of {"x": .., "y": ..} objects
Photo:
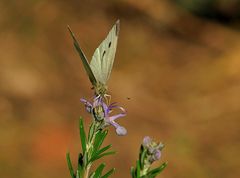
[{"x": 180, "y": 70}]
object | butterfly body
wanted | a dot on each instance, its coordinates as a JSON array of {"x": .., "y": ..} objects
[{"x": 100, "y": 89}]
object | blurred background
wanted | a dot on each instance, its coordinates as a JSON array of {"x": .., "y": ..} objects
[{"x": 177, "y": 60}]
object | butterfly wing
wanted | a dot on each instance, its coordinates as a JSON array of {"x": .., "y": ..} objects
[
  {"x": 103, "y": 57},
  {"x": 84, "y": 59}
]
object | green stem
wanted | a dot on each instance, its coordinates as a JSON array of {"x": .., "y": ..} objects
[
  {"x": 144, "y": 171},
  {"x": 87, "y": 171},
  {"x": 89, "y": 151}
]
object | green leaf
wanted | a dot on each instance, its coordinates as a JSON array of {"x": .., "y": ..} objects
[
  {"x": 108, "y": 173},
  {"x": 157, "y": 170},
  {"x": 142, "y": 155},
  {"x": 85, "y": 160},
  {"x": 70, "y": 167},
  {"x": 133, "y": 173},
  {"x": 84, "y": 59},
  {"x": 102, "y": 150},
  {"x": 82, "y": 135},
  {"x": 101, "y": 155},
  {"x": 100, "y": 136},
  {"x": 99, "y": 170},
  {"x": 138, "y": 169},
  {"x": 91, "y": 132},
  {"x": 78, "y": 175},
  {"x": 92, "y": 175}
]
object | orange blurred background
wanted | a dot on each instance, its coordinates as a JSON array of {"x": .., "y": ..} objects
[{"x": 178, "y": 62}]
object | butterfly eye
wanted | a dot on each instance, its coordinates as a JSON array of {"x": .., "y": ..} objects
[{"x": 109, "y": 45}]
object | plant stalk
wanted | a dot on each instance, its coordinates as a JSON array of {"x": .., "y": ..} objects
[{"x": 87, "y": 171}]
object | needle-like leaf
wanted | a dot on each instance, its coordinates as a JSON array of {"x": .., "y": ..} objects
[
  {"x": 82, "y": 135},
  {"x": 103, "y": 149},
  {"x": 108, "y": 173},
  {"x": 138, "y": 169},
  {"x": 157, "y": 170},
  {"x": 101, "y": 155},
  {"x": 133, "y": 173},
  {"x": 70, "y": 167},
  {"x": 99, "y": 170},
  {"x": 100, "y": 136}
]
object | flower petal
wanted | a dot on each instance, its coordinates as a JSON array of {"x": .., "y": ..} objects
[
  {"x": 114, "y": 117},
  {"x": 147, "y": 141},
  {"x": 88, "y": 105},
  {"x": 121, "y": 131},
  {"x": 157, "y": 154}
]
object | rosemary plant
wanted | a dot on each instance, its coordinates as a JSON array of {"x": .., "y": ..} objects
[
  {"x": 100, "y": 109},
  {"x": 150, "y": 152}
]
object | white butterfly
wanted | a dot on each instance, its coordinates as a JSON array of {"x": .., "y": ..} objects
[{"x": 100, "y": 67}]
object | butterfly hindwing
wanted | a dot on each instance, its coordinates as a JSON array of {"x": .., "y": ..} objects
[{"x": 103, "y": 57}]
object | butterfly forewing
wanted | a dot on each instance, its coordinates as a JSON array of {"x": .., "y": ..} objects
[
  {"x": 84, "y": 59},
  {"x": 103, "y": 57}
]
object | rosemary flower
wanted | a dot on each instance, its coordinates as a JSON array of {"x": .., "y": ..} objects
[{"x": 101, "y": 113}]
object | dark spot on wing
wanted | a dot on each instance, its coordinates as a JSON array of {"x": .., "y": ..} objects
[
  {"x": 109, "y": 45},
  {"x": 103, "y": 54}
]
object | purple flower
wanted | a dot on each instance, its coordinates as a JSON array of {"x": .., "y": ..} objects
[
  {"x": 156, "y": 155},
  {"x": 87, "y": 104},
  {"x": 102, "y": 112},
  {"x": 153, "y": 149},
  {"x": 147, "y": 141}
]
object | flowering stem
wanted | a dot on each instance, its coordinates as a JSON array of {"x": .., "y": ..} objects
[
  {"x": 91, "y": 139},
  {"x": 91, "y": 151},
  {"x": 150, "y": 152}
]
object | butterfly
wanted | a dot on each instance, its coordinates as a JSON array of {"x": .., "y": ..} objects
[{"x": 100, "y": 67}]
